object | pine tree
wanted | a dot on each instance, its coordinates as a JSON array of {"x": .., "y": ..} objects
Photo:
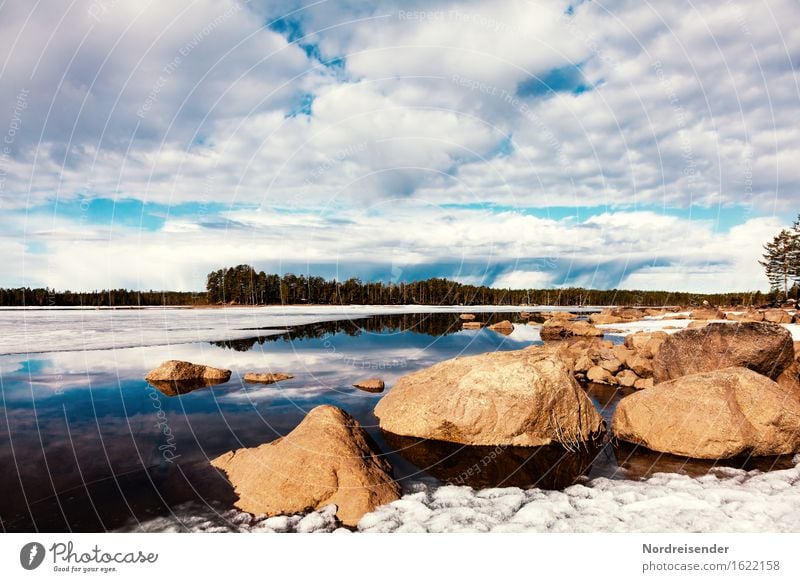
[{"x": 782, "y": 260}]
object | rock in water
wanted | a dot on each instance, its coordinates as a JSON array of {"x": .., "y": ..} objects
[
  {"x": 557, "y": 329},
  {"x": 467, "y": 316},
  {"x": 712, "y": 415},
  {"x": 763, "y": 347},
  {"x": 175, "y": 377},
  {"x": 266, "y": 378},
  {"x": 520, "y": 398},
  {"x": 504, "y": 327},
  {"x": 328, "y": 458},
  {"x": 370, "y": 385}
]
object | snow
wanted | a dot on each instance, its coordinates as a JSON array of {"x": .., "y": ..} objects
[
  {"x": 56, "y": 329},
  {"x": 726, "y": 500}
]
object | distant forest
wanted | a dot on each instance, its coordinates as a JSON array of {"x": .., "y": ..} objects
[{"x": 243, "y": 285}]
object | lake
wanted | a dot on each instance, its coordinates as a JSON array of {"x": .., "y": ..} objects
[{"x": 88, "y": 445}]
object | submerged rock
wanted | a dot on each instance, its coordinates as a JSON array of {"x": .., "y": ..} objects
[
  {"x": 712, "y": 415},
  {"x": 763, "y": 347},
  {"x": 327, "y": 459},
  {"x": 375, "y": 385},
  {"x": 504, "y": 327},
  {"x": 519, "y": 398},
  {"x": 266, "y": 378}
]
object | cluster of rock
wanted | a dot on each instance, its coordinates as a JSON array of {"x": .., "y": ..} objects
[
  {"x": 629, "y": 365},
  {"x": 723, "y": 391}
]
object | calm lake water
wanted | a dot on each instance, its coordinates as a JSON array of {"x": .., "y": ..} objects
[{"x": 87, "y": 445}]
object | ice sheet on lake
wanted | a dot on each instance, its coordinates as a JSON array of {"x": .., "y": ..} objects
[
  {"x": 52, "y": 330},
  {"x": 729, "y": 500}
]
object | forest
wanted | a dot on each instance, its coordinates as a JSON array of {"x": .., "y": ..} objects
[{"x": 243, "y": 285}]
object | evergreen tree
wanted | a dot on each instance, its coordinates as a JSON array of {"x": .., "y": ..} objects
[{"x": 782, "y": 260}]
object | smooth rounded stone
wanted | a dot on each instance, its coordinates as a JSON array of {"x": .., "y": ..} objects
[
  {"x": 603, "y": 318},
  {"x": 176, "y": 377},
  {"x": 557, "y": 329},
  {"x": 504, "y": 327},
  {"x": 375, "y": 385},
  {"x": 643, "y": 367},
  {"x": 563, "y": 315},
  {"x": 763, "y": 347},
  {"x": 627, "y": 378},
  {"x": 712, "y": 415},
  {"x": 266, "y": 378},
  {"x": 749, "y": 315},
  {"x": 600, "y": 375},
  {"x": 696, "y": 324},
  {"x": 519, "y": 398},
  {"x": 706, "y": 313},
  {"x": 472, "y": 325},
  {"x": 467, "y": 316},
  {"x": 646, "y": 343},
  {"x": 643, "y": 383},
  {"x": 613, "y": 365},
  {"x": 327, "y": 459},
  {"x": 777, "y": 316}
]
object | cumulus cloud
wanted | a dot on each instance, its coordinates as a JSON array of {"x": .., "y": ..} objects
[{"x": 387, "y": 139}]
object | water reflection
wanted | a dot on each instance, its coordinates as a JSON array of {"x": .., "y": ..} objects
[
  {"x": 178, "y": 387},
  {"x": 547, "y": 467}
]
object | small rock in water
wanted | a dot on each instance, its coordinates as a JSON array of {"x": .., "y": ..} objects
[
  {"x": 375, "y": 385},
  {"x": 266, "y": 378}
]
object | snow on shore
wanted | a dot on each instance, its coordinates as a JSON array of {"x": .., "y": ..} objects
[{"x": 727, "y": 500}]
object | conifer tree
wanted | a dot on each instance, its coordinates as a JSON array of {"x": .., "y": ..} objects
[{"x": 782, "y": 260}]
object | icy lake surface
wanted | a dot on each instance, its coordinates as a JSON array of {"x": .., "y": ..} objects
[{"x": 87, "y": 445}]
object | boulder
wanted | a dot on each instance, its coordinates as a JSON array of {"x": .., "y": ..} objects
[
  {"x": 327, "y": 459},
  {"x": 706, "y": 313},
  {"x": 712, "y": 415},
  {"x": 504, "y": 327},
  {"x": 467, "y": 316},
  {"x": 605, "y": 317},
  {"x": 266, "y": 378},
  {"x": 627, "y": 378},
  {"x": 643, "y": 383},
  {"x": 518, "y": 398},
  {"x": 749, "y": 315},
  {"x": 613, "y": 365},
  {"x": 646, "y": 343},
  {"x": 556, "y": 329},
  {"x": 472, "y": 325},
  {"x": 374, "y": 385},
  {"x": 175, "y": 377},
  {"x": 696, "y": 324},
  {"x": 643, "y": 367},
  {"x": 777, "y": 316},
  {"x": 562, "y": 315},
  {"x": 600, "y": 375},
  {"x": 764, "y": 347}
]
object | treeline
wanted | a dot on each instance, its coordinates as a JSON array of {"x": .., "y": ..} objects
[
  {"x": 243, "y": 285},
  {"x": 46, "y": 297}
]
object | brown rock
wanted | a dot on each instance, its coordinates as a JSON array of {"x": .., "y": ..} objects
[
  {"x": 646, "y": 343},
  {"x": 643, "y": 383},
  {"x": 777, "y": 316},
  {"x": 627, "y": 378},
  {"x": 556, "y": 329},
  {"x": 175, "y": 377},
  {"x": 706, "y": 313},
  {"x": 749, "y": 315},
  {"x": 266, "y": 378},
  {"x": 562, "y": 315},
  {"x": 374, "y": 385},
  {"x": 697, "y": 324},
  {"x": 583, "y": 364},
  {"x": 764, "y": 347},
  {"x": 712, "y": 415},
  {"x": 467, "y": 316},
  {"x": 613, "y": 365},
  {"x": 519, "y": 398},
  {"x": 622, "y": 354},
  {"x": 472, "y": 325},
  {"x": 504, "y": 327},
  {"x": 604, "y": 319},
  {"x": 600, "y": 375},
  {"x": 327, "y": 459},
  {"x": 643, "y": 367}
]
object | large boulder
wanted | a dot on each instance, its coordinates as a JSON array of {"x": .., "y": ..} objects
[
  {"x": 175, "y": 377},
  {"x": 763, "y": 347},
  {"x": 328, "y": 458},
  {"x": 520, "y": 398},
  {"x": 646, "y": 343},
  {"x": 712, "y": 415},
  {"x": 777, "y": 316},
  {"x": 707, "y": 313}
]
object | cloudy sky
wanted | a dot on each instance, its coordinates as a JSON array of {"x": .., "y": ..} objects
[{"x": 511, "y": 143}]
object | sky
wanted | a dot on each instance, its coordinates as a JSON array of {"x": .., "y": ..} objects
[{"x": 512, "y": 143}]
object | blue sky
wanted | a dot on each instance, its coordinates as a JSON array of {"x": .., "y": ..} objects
[{"x": 507, "y": 143}]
